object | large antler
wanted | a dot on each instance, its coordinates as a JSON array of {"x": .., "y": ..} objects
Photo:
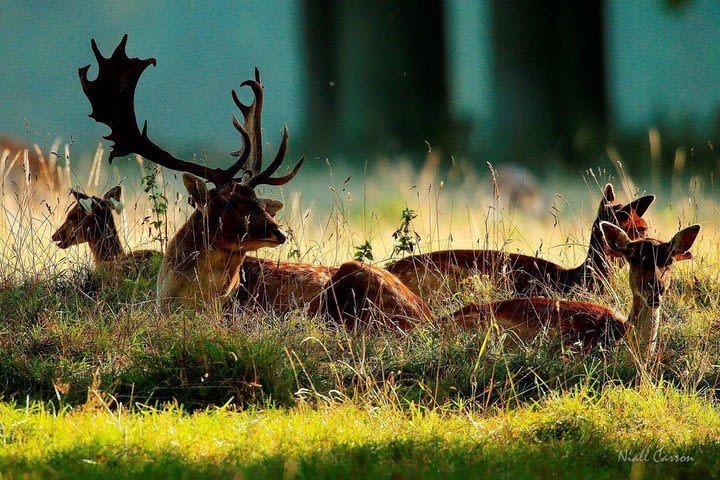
[
  {"x": 112, "y": 96},
  {"x": 253, "y": 176}
]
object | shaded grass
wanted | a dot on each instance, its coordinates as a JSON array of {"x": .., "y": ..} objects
[{"x": 72, "y": 333}]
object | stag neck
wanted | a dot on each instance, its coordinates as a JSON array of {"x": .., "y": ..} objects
[{"x": 194, "y": 271}]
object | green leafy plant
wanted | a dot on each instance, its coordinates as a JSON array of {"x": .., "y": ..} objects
[
  {"x": 159, "y": 206},
  {"x": 406, "y": 238},
  {"x": 364, "y": 252}
]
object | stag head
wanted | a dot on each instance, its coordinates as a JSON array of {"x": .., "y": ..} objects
[{"x": 234, "y": 217}]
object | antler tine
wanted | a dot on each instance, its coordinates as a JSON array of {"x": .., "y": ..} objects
[
  {"x": 252, "y": 116},
  {"x": 284, "y": 179},
  {"x": 244, "y": 153},
  {"x": 112, "y": 97},
  {"x": 264, "y": 178}
]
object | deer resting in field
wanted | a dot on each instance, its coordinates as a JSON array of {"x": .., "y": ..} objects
[
  {"x": 649, "y": 277},
  {"x": 280, "y": 287},
  {"x": 91, "y": 220},
  {"x": 525, "y": 274},
  {"x": 202, "y": 262},
  {"x": 363, "y": 297}
]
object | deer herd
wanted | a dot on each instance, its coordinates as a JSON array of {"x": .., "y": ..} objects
[{"x": 206, "y": 262}]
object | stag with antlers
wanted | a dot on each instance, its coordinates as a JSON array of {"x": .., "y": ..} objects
[{"x": 203, "y": 259}]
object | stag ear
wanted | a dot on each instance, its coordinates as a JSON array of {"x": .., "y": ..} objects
[
  {"x": 115, "y": 205},
  {"x": 271, "y": 206},
  {"x": 682, "y": 242},
  {"x": 640, "y": 205},
  {"x": 609, "y": 194},
  {"x": 617, "y": 240},
  {"x": 197, "y": 189}
]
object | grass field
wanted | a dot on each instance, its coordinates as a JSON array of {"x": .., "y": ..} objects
[{"x": 95, "y": 383}]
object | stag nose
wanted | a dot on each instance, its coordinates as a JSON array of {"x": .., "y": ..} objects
[{"x": 56, "y": 236}]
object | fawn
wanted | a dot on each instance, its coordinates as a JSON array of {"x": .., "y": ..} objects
[
  {"x": 525, "y": 274},
  {"x": 91, "y": 220},
  {"x": 202, "y": 262},
  {"x": 649, "y": 277}
]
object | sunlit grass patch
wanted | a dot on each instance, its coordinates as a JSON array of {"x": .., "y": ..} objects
[{"x": 577, "y": 433}]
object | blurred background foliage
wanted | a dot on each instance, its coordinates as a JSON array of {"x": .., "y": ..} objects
[{"x": 541, "y": 84}]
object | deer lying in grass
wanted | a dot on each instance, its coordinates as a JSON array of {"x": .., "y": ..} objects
[
  {"x": 91, "y": 220},
  {"x": 649, "y": 278},
  {"x": 363, "y": 297},
  {"x": 280, "y": 287},
  {"x": 202, "y": 262},
  {"x": 525, "y": 274}
]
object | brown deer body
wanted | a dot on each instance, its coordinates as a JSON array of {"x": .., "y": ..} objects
[
  {"x": 91, "y": 221},
  {"x": 525, "y": 274},
  {"x": 202, "y": 263},
  {"x": 280, "y": 287},
  {"x": 649, "y": 278},
  {"x": 363, "y": 297}
]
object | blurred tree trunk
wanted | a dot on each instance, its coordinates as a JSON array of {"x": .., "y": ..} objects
[
  {"x": 377, "y": 80},
  {"x": 549, "y": 78}
]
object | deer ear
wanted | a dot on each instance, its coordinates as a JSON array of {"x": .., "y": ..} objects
[
  {"x": 197, "y": 189},
  {"x": 115, "y": 205},
  {"x": 682, "y": 242},
  {"x": 272, "y": 206},
  {"x": 114, "y": 193},
  {"x": 609, "y": 193},
  {"x": 86, "y": 204},
  {"x": 640, "y": 205},
  {"x": 617, "y": 240},
  {"x": 78, "y": 195}
]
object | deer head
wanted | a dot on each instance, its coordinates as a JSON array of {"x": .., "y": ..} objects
[
  {"x": 627, "y": 217},
  {"x": 90, "y": 219},
  {"x": 650, "y": 260},
  {"x": 234, "y": 217}
]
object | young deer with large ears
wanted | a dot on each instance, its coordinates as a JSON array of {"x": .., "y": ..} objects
[
  {"x": 525, "y": 274},
  {"x": 91, "y": 220},
  {"x": 649, "y": 278},
  {"x": 202, "y": 262}
]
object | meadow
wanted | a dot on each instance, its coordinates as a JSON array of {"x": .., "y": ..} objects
[{"x": 95, "y": 383}]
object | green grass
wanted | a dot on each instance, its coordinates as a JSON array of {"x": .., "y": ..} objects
[
  {"x": 254, "y": 395},
  {"x": 141, "y": 395},
  {"x": 577, "y": 434}
]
